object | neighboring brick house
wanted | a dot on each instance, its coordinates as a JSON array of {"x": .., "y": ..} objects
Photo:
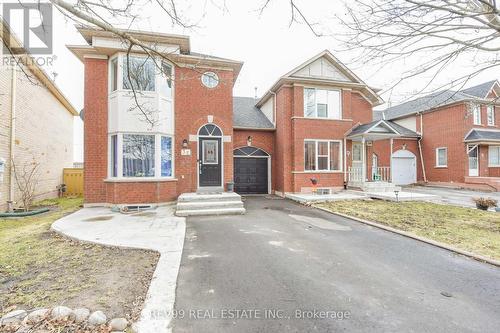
[
  {"x": 207, "y": 138},
  {"x": 460, "y": 134},
  {"x": 36, "y": 123}
]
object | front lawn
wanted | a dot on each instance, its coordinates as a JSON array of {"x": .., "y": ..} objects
[
  {"x": 39, "y": 268},
  {"x": 465, "y": 228}
]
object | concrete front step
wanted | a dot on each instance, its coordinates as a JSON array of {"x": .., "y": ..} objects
[
  {"x": 215, "y": 211},
  {"x": 189, "y": 205},
  {"x": 196, "y": 204},
  {"x": 191, "y": 197}
]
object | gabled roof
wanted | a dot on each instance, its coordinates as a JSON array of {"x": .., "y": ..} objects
[
  {"x": 345, "y": 77},
  {"x": 9, "y": 39},
  {"x": 439, "y": 99},
  {"x": 477, "y": 134},
  {"x": 247, "y": 115},
  {"x": 482, "y": 90},
  {"x": 382, "y": 126}
]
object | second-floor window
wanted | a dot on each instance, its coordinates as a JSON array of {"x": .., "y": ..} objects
[
  {"x": 476, "y": 114},
  {"x": 138, "y": 73},
  {"x": 319, "y": 103},
  {"x": 490, "y": 115}
]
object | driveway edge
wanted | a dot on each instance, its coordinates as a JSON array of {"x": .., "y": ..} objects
[{"x": 410, "y": 235}]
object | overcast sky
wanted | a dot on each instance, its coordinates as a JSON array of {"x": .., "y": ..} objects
[{"x": 267, "y": 44}]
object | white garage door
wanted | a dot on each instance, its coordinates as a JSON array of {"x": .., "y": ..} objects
[{"x": 404, "y": 167}]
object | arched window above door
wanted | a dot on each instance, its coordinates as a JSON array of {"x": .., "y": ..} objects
[
  {"x": 249, "y": 151},
  {"x": 210, "y": 130}
]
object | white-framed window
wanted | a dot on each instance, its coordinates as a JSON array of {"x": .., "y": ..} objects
[
  {"x": 357, "y": 150},
  {"x": 494, "y": 156},
  {"x": 210, "y": 79},
  {"x": 138, "y": 73},
  {"x": 136, "y": 155},
  {"x": 320, "y": 103},
  {"x": 442, "y": 157},
  {"x": 476, "y": 114},
  {"x": 113, "y": 71},
  {"x": 490, "y": 115},
  {"x": 322, "y": 155},
  {"x": 142, "y": 75}
]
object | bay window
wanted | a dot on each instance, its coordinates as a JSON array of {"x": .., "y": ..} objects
[
  {"x": 320, "y": 103},
  {"x": 322, "y": 155},
  {"x": 138, "y": 155},
  {"x": 135, "y": 155},
  {"x": 494, "y": 156},
  {"x": 138, "y": 73}
]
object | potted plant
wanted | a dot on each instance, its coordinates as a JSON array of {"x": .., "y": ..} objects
[{"x": 485, "y": 203}]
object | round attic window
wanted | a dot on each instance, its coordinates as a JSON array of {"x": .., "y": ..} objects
[{"x": 210, "y": 79}]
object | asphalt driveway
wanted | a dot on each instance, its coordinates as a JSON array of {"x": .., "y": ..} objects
[{"x": 283, "y": 267}]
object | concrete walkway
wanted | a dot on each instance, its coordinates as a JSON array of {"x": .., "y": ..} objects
[{"x": 157, "y": 230}]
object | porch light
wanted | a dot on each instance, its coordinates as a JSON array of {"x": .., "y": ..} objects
[
  {"x": 184, "y": 143},
  {"x": 404, "y": 146},
  {"x": 396, "y": 193},
  {"x": 249, "y": 140}
]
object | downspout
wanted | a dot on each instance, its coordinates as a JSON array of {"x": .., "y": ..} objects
[
  {"x": 420, "y": 148},
  {"x": 10, "y": 202}
]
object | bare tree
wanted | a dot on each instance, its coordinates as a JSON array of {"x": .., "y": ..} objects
[
  {"x": 26, "y": 177},
  {"x": 432, "y": 33}
]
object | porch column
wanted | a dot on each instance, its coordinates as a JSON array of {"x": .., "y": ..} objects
[
  {"x": 363, "y": 165},
  {"x": 390, "y": 161}
]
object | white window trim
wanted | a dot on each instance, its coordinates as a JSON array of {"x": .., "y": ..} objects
[
  {"x": 490, "y": 109},
  {"x": 476, "y": 109},
  {"x": 157, "y": 156},
  {"x": 119, "y": 84},
  {"x": 329, "y": 157},
  {"x": 437, "y": 157},
  {"x": 493, "y": 165},
  {"x": 316, "y": 104}
]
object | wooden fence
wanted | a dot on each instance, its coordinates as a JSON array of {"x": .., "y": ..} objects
[{"x": 73, "y": 178}]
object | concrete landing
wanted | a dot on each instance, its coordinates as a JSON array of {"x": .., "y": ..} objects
[{"x": 308, "y": 197}]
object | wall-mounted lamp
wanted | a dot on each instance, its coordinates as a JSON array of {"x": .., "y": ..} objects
[
  {"x": 404, "y": 146},
  {"x": 249, "y": 141},
  {"x": 184, "y": 143}
]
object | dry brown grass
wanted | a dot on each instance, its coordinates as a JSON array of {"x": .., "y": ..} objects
[{"x": 465, "y": 228}]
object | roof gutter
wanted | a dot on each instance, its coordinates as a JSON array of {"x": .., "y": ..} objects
[{"x": 254, "y": 129}]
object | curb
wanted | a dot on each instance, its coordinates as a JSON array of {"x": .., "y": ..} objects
[{"x": 421, "y": 239}]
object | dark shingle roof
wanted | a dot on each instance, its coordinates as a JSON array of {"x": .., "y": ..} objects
[
  {"x": 247, "y": 115},
  {"x": 425, "y": 103},
  {"x": 405, "y": 132},
  {"x": 488, "y": 135},
  {"x": 439, "y": 98},
  {"x": 480, "y": 91}
]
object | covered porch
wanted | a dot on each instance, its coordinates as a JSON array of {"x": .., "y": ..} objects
[
  {"x": 483, "y": 157},
  {"x": 366, "y": 170}
]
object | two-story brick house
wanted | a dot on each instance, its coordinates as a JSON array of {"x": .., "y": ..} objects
[
  {"x": 459, "y": 134},
  {"x": 309, "y": 125}
]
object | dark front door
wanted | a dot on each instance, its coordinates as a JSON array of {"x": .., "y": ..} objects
[
  {"x": 210, "y": 162},
  {"x": 250, "y": 175}
]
